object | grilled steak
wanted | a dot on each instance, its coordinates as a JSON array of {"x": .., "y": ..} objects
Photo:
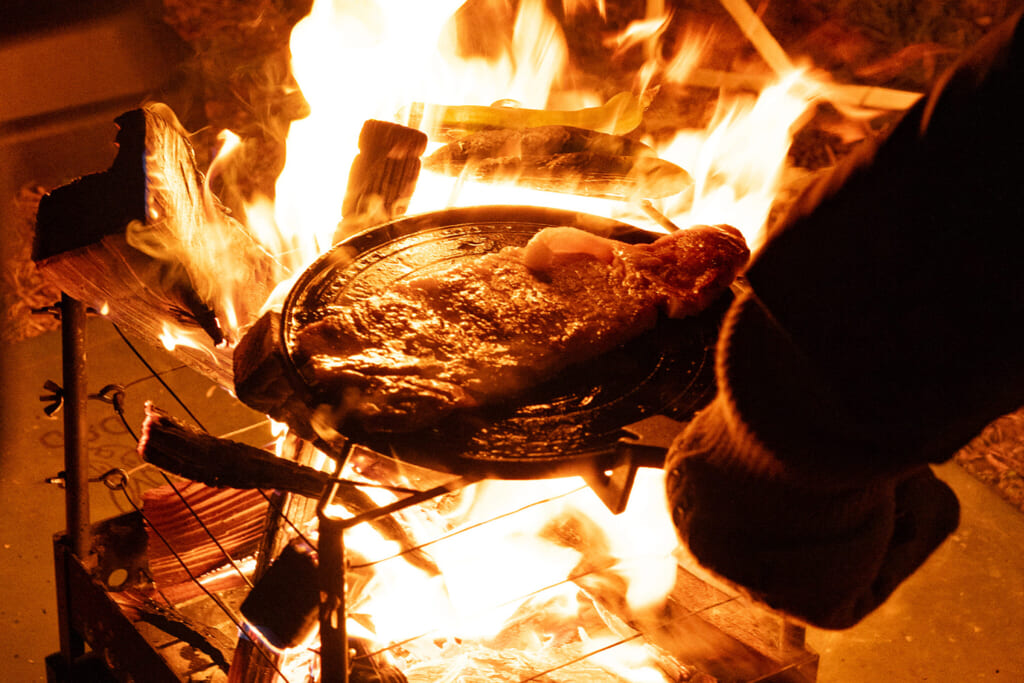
[{"x": 482, "y": 330}]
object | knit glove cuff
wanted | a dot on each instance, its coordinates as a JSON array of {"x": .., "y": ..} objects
[{"x": 825, "y": 555}]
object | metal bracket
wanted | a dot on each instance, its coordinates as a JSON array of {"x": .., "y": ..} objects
[
  {"x": 614, "y": 485},
  {"x": 646, "y": 445}
]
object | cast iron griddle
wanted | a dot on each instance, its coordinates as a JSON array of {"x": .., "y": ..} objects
[{"x": 570, "y": 423}]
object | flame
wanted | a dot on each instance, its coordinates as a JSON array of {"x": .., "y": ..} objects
[
  {"x": 738, "y": 162},
  {"x": 408, "y": 62},
  {"x": 507, "y": 550},
  {"x": 356, "y": 61},
  {"x": 517, "y": 561},
  {"x": 173, "y": 336}
]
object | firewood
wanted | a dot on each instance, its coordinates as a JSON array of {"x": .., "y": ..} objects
[
  {"x": 539, "y": 141},
  {"x": 234, "y": 517},
  {"x": 619, "y": 115},
  {"x": 562, "y": 159},
  {"x": 581, "y": 173},
  {"x": 261, "y": 378},
  {"x": 383, "y": 175},
  {"x": 189, "y": 452},
  {"x": 144, "y": 242}
]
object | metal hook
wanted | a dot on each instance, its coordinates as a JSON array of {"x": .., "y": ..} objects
[
  {"x": 112, "y": 394},
  {"x": 115, "y": 479}
]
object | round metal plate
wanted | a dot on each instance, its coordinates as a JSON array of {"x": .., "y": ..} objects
[{"x": 569, "y": 422}]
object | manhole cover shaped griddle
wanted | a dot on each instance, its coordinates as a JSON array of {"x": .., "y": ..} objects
[{"x": 571, "y": 423}]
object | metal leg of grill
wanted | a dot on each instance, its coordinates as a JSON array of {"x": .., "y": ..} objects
[
  {"x": 333, "y": 637},
  {"x": 76, "y": 469}
]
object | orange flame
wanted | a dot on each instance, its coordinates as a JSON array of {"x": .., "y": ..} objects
[{"x": 356, "y": 61}]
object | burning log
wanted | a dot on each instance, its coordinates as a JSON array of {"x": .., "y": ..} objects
[
  {"x": 262, "y": 380},
  {"x": 562, "y": 159},
  {"x": 383, "y": 175},
  {"x": 619, "y": 115},
  {"x": 538, "y": 141},
  {"x": 189, "y": 452},
  {"x": 145, "y": 241}
]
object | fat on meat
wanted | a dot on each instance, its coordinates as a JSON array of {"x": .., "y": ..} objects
[{"x": 485, "y": 328}]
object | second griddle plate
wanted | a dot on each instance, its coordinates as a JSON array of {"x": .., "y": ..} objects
[{"x": 572, "y": 424}]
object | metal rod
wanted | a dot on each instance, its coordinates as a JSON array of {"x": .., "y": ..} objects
[
  {"x": 76, "y": 460},
  {"x": 331, "y": 573},
  {"x": 402, "y": 503}
]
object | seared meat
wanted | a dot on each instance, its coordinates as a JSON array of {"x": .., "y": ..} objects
[{"x": 482, "y": 330}]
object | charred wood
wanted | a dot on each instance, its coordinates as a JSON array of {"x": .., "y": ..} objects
[
  {"x": 562, "y": 159},
  {"x": 383, "y": 175},
  {"x": 221, "y": 463},
  {"x": 189, "y": 452},
  {"x": 262, "y": 379}
]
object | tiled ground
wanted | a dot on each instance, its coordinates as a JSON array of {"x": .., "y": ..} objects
[
  {"x": 31, "y": 450},
  {"x": 961, "y": 618}
]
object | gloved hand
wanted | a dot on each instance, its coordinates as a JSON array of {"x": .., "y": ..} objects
[{"x": 827, "y": 555}]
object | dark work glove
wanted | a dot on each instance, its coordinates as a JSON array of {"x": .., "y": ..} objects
[{"x": 827, "y": 555}]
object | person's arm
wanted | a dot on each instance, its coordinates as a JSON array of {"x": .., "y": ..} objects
[{"x": 882, "y": 330}]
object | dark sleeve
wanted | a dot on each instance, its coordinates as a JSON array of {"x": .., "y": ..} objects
[
  {"x": 881, "y": 331},
  {"x": 900, "y": 281}
]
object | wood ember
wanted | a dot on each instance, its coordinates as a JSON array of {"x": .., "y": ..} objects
[
  {"x": 146, "y": 242},
  {"x": 562, "y": 158}
]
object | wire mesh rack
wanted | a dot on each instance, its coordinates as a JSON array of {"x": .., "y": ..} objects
[{"x": 201, "y": 583}]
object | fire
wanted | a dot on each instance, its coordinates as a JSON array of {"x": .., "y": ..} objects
[
  {"x": 402, "y": 61},
  {"x": 517, "y": 562},
  {"x": 738, "y": 163},
  {"x": 174, "y": 336}
]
